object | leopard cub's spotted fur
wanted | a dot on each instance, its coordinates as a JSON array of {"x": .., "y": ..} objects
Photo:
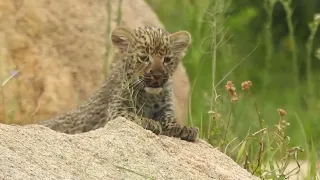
[{"x": 138, "y": 88}]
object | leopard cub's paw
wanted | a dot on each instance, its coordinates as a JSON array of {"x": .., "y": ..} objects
[
  {"x": 189, "y": 133},
  {"x": 157, "y": 128},
  {"x": 154, "y": 126}
]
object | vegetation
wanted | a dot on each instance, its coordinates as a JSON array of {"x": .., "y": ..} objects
[{"x": 276, "y": 45}]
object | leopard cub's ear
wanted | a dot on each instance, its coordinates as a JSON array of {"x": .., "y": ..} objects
[
  {"x": 122, "y": 38},
  {"x": 180, "y": 41}
]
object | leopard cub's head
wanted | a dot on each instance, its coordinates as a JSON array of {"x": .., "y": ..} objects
[{"x": 152, "y": 54}]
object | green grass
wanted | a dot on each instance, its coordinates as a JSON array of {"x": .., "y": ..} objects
[{"x": 269, "y": 43}]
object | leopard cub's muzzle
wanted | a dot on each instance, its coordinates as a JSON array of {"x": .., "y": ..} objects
[{"x": 155, "y": 80}]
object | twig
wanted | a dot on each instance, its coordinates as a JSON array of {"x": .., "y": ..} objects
[{"x": 9, "y": 78}]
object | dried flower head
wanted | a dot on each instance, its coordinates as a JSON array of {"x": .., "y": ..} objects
[
  {"x": 281, "y": 112},
  {"x": 246, "y": 85},
  {"x": 229, "y": 86},
  {"x": 232, "y": 91}
]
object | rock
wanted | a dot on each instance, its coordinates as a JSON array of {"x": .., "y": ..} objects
[
  {"x": 59, "y": 49},
  {"x": 120, "y": 150}
]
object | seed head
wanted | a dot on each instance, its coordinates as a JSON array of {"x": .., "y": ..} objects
[
  {"x": 232, "y": 91},
  {"x": 246, "y": 85},
  {"x": 281, "y": 112}
]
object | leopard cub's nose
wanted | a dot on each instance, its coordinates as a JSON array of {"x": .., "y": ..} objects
[{"x": 157, "y": 75}]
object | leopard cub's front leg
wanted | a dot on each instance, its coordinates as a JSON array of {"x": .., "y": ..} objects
[
  {"x": 183, "y": 132},
  {"x": 151, "y": 125},
  {"x": 146, "y": 123},
  {"x": 171, "y": 128}
]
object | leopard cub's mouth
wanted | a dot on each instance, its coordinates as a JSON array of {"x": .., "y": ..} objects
[
  {"x": 152, "y": 90},
  {"x": 154, "y": 82},
  {"x": 154, "y": 86}
]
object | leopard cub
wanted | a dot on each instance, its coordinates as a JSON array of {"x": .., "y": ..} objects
[{"x": 139, "y": 86}]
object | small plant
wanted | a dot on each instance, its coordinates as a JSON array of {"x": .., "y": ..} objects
[{"x": 265, "y": 152}]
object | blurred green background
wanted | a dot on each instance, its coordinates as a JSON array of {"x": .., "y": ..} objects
[{"x": 272, "y": 43}]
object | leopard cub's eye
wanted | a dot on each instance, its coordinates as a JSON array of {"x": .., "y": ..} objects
[
  {"x": 167, "y": 60},
  {"x": 143, "y": 58}
]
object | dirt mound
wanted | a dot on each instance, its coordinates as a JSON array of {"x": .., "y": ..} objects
[
  {"x": 58, "y": 48},
  {"x": 120, "y": 150}
]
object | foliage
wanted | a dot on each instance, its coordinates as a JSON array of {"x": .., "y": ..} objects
[{"x": 274, "y": 43}]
